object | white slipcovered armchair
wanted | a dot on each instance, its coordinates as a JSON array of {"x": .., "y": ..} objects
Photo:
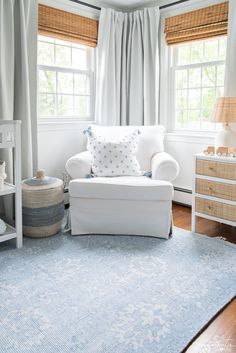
[{"x": 124, "y": 205}]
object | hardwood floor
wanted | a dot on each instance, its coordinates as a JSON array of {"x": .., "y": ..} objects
[
  {"x": 182, "y": 219},
  {"x": 220, "y": 334}
]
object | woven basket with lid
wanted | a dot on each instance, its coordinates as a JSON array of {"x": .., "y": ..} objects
[{"x": 43, "y": 205}]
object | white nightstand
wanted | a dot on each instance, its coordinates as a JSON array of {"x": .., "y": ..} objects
[{"x": 214, "y": 189}]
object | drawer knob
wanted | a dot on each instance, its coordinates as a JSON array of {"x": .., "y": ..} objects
[
  {"x": 209, "y": 208},
  {"x": 211, "y": 168},
  {"x": 209, "y": 188}
]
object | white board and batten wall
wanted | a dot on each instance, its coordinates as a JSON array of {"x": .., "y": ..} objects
[{"x": 57, "y": 142}]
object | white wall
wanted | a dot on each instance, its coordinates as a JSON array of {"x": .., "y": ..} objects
[
  {"x": 57, "y": 142},
  {"x": 183, "y": 148}
]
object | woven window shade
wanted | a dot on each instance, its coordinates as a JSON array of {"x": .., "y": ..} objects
[
  {"x": 205, "y": 23},
  {"x": 67, "y": 26}
]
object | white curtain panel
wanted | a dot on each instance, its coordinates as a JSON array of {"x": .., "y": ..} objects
[
  {"x": 127, "y": 68},
  {"x": 18, "y": 73},
  {"x": 230, "y": 67}
]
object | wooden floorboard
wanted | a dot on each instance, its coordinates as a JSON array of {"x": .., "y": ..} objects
[{"x": 220, "y": 334}]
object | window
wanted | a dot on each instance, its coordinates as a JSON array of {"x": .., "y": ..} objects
[
  {"x": 197, "y": 79},
  {"x": 65, "y": 79}
]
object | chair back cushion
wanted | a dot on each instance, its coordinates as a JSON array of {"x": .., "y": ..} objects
[{"x": 151, "y": 140}]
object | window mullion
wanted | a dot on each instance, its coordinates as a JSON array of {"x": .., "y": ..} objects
[{"x": 193, "y": 66}]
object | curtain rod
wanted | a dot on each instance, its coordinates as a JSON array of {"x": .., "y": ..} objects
[{"x": 99, "y": 8}]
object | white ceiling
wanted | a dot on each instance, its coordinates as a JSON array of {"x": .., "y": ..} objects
[{"x": 129, "y": 4}]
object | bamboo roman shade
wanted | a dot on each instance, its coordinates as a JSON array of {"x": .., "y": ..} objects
[
  {"x": 64, "y": 25},
  {"x": 209, "y": 22}
]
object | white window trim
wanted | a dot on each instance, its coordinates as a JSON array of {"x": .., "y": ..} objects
[
  {"x": 90, "y": 73},
  {"x": 172, "y": 70},
  {"x": 91, "y": 76},
  {"x": 165, "y": 77}
]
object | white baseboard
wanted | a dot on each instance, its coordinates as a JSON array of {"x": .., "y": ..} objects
[{"x": 183, "y": 197}]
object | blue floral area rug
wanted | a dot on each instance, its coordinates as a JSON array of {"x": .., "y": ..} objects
[{"x": 112, "y": 294}]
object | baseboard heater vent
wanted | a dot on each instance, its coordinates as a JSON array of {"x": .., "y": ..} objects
[{"x": 187, "y": 191}]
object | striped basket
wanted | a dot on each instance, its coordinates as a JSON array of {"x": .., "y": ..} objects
[{"x": 43, "y": 205}]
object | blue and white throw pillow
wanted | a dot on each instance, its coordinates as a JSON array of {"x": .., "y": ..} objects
[{"x": 114, "y": 157}]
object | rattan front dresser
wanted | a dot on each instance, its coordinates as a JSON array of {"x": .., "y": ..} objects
[{"x": 214, "y": 189}]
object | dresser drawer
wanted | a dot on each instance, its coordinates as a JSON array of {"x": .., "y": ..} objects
[
  {"x": 215, "y": 209},
  {"x": 216, "y": 169},
  {"x": 216, "y": 189}
]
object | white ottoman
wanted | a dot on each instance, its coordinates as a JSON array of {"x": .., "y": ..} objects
[{"x": 122, "y": 205}]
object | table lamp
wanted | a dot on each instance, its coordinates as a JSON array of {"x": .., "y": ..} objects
[{"x": 225, "y": 112}]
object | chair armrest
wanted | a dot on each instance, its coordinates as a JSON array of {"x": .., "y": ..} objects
[
  {"x": 79, "y": 166},
  {"x": 164, "y": 167}
]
